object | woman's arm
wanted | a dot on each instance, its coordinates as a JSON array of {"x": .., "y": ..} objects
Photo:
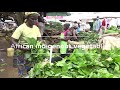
[
  {"x": 74, "y": 34},
  {"x": 18, "y": 46}
]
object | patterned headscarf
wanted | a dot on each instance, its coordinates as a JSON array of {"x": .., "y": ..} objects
[{"x": 30, "y": 13}]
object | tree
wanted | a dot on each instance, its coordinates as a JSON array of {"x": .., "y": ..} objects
[{"x": 19, "y": 16}]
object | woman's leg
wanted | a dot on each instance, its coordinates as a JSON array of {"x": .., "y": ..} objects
[{"x": 21, "y": 65}]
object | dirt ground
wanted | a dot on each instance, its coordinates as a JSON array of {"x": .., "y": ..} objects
[{"x": 6, "y": 64}]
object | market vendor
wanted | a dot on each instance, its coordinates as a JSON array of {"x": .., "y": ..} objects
[
  {"x": 64, "y": 38},
  {"x": 68, "y": 34},
  {"x": 97, "y": 25},
  {"x": 27, "y": 29}
]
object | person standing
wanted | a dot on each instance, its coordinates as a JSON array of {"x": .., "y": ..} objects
[
  {"x": 64, "y": 40},
  {"x": 104, "y": 24},
  {"x": 27, "y": 29},
  {"x": 97, "y": 25}
]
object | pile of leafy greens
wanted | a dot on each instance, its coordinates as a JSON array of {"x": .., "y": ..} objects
[
  {"x": 54, "y": 25},
  {"x": 94, "y": 63},
  {"x": 88, "y": 37},
  {"x": 112, "y": 29}
]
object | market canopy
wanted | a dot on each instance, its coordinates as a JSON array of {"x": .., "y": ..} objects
[
  {"x": 78, "y": 17},
  {"x": 58, "y": 14}
]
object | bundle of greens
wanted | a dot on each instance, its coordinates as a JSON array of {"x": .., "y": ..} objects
[{"x": 37, "y": 53}]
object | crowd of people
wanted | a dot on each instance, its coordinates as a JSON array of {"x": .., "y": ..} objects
[{"x": 100, "y": 25}]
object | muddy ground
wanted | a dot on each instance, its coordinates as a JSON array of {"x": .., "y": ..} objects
[{"x": 6, "y": 63}]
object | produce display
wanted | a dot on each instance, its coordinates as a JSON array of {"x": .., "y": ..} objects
[
  {"x": 91, "y": 55},
  {"x": 88, "y": 37},
  {"x": 93, "y": 63},
  {"x": 90, "y": 63},
  {"x": 112, "y": 29},
  {"x": 52, "y": 30},
  {"x": 54, "y": 25}
]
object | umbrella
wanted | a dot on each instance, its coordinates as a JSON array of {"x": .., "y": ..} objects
[{"x": 58, "y": 14}]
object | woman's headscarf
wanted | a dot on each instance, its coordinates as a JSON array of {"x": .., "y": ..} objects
[{"x": 31, "y": 13}]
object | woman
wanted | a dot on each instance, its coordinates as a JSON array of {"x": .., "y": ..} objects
[
  {"x": 27, "y": 29},
  {"x": 74, "y": 32},
  {"x": 64, "y": 38}
]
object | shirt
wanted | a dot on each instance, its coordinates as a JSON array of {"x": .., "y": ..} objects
[
  {"x": 87, "y": 26},
  {"x": 23, "y": 31},
  {"x": 104, "y": 22},
  {"x": 78, "y": 30},
  {"x": 63, "y": 44}
]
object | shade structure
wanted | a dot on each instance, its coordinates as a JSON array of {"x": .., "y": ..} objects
[{"x": 58, "y": 14}]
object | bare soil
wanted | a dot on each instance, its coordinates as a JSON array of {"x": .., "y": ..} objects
[{"x": 6, "y": 63}]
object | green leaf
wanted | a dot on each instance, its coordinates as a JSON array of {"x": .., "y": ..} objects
[
  {"x": 81, "y": 72},
  {"x": 30, "y": 41},
  {"x": 27, "y": 55},
  {"x": 80, "y": 76},
  {"x": 74, "y": 59},
  {"x": 86, "y": 71},
  {"x": 66, "y": 76},
  {"x": 109, "y": 59},
  {"x": 102, "y": 70},
  {"x": 48, "y": 73},
  {"x": 82, "y": 63},
  {"x": 116, "y": 67},
  {"x": 61, "y": 63},
  {"x": 29, "y": 59},
  {"x": 31, "y": 73},
  {"x": 69, "y": 65},
  {"x": 56, "y": 70},
  {"x": 65, "y": 68}
]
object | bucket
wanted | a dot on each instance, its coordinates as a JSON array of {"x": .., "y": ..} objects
[{"x": 10, "y": 52}]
